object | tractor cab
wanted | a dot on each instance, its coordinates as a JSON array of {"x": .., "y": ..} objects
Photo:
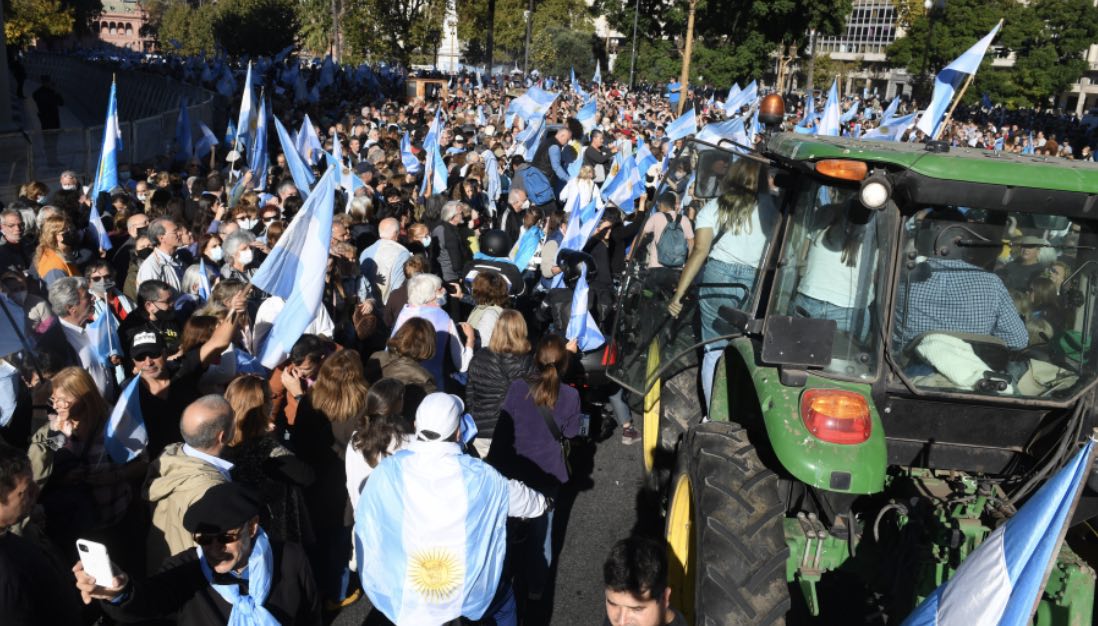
[{"x": 873, "y": 323}]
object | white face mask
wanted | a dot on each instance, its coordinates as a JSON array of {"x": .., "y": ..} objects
[
  {"x": 441, "y": 299},
  {"x": 141, "y": 197},
  {"x": 217, "y": 254},
  {"x": 245, "y": 256},
  {"x": 247, "y": 223},
  {"x": 426, "y": 241},
  {"x": 68, "y": 187}
]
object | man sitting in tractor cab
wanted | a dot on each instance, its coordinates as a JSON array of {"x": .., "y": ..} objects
[{"x": 948, "y": 300}]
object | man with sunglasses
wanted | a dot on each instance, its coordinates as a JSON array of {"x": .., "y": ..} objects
[{"x": 233, "y": 575}]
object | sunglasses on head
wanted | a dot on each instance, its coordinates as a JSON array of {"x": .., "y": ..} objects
[{"x": 205, "y": 539}]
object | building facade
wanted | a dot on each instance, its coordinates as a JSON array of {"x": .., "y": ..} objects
[{"x": 121, "y": 23}]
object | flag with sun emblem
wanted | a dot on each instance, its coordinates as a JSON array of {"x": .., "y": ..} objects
[{"x": 430, "y": 534}]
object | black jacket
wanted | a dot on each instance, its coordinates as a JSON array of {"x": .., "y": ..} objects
[
  {"x": 180, "y": 588},
  {"x": 34, "y": 589},
  {"x": 490, "y": 375}
]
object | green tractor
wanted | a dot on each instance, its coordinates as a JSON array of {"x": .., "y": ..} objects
[{"x": 912, "y": 356}]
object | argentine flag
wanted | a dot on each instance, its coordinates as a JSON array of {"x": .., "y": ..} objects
[
  {"x": 949, "y": 79},
  {"x": 424, "y": 559},
  {"x": 126, "y": 436},
  {"x": 290, "y": 271},
  {"x": 587, "y": 114},
  {"x": 686, "y": 125},
  {"x": 208, "y": 141},
  {"x": 580, "y": 226},
  {"x": 597, "y": 78},
  {"x": 829, "y": 120},
  {"x": 743, "y": 98},
  {"x": 204, "y": 289},
  {"x": 307, "y": 143},
  {"x": 245, "y": 122},
  {"x": 892, "y": 131},
  {"x": 106, "y": 173},
  {"x": 581, "y": 325},
  {"x": 890, "y": 112},
  {"x": 184, "y": 143},
  {"x": 103, "y": 333},
  {"x": 727, "y": 131},
  {"x": 303, "y": 177},
  {"x": 409, "y": 160},
  {"x": 626, "y": 186},
  {"x": 258, "y": 158},
  {"x": 1001, "y": 580}
]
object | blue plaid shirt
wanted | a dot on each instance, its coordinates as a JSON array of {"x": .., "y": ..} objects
[{"x": 958, "y": 297}]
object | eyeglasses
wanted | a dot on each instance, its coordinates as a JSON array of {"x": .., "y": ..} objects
[
  {"x": 205, "y": 539},
  {"x": 61, "y": 403}
]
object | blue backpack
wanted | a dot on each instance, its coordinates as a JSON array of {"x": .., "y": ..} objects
[{"x": 537, "y": 186}]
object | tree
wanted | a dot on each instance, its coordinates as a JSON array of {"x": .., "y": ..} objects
[
  {"x": 255, "y": 27},
  {"x": 28, "y": 20},
  {"x": 315, "y": 32},
  {"x": 509, "y": 31},
  {"x": 394, "y": 29},
  {"x": 733, "y": 39},
  {"x": 1047, "y": 39},
  {"x": 191, "y": 28}
]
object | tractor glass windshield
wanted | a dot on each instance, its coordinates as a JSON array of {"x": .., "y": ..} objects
[
  {"x": 830, "y": 271},
  {"x": 996, "y": 303}
]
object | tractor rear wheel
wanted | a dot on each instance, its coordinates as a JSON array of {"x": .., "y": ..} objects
[
  {"x": 726, "y": 543},
  {"x": 670, "y": 407}
]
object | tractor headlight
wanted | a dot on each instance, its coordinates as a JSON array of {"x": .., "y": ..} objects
[{"x": 875, "y": 192}]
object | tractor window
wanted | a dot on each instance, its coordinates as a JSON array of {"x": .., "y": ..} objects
[
  {"x": 830, "y": 271},
  {"x": 996, "y": 303}
]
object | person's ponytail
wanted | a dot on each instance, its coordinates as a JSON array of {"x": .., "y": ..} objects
[{"x": 551, "y": 361}]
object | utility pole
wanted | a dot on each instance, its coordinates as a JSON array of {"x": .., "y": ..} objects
[
  {"x": 335, "y": 32},
  {"x": 633, "y": 58},
  {"x": 529, "y": 21},
  {"x": 490, "y": 44},
  {"x": 688, "y": 49}
]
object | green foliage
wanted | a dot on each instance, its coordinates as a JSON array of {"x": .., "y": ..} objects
[
  {"x": 402, "y": 30},
  {"x": 733, "y": 39},
  {"x": 555, "y": 50},
  {"x": 315, "y": 31},
  {"x": 1048, "y": 39},
  {"x": 255, "y": 27},
  {"x": 191, "y": 28},
  {"x": 28, "y": 20}
]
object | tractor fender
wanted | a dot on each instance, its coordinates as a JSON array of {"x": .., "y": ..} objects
[{"x": 756, "y": 389}]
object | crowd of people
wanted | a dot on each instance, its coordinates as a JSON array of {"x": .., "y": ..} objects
[
  {"x": 426, "y": 410},
  {"x": 412, "y": 442}
]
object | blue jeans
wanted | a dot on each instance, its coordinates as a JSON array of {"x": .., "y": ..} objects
[
  {"x": 844, "y": 317},
  {"x": 502, "y": 611},
  {"x": 620, "y": 408},
  {"x": 722, "y": 284}
]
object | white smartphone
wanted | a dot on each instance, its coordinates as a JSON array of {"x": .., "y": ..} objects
[{"x": 97, "y": 563}]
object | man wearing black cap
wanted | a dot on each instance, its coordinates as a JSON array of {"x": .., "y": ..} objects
[{"x": 234, "y": 575}]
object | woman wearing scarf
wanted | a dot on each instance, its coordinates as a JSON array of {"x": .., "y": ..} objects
[{"x": 234, "y": 576}]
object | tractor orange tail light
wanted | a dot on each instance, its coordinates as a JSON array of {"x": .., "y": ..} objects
[
  {"x": 836, "y": 416},
  {"x": 843, "y": 169}
]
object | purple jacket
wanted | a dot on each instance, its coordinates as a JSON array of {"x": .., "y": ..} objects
[{"x": 533, "y": 440}]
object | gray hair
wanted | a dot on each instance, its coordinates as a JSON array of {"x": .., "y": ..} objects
[
  {"x": 65, "y": 292},
  {"x": 217, "y": 420},
  {"x": 157, "y": 229},
  {"x": 285, "y": 185},
  {"x": 362, "y": 209},
  {"x": 44, "y": 214},
  {"x": 514, "y": 195},
  {"x": 192, "y": 278},
  {"x": 422, "y": 288},
  {"x": 234, "y": 242},
  {"x": 450, "y": 209}
]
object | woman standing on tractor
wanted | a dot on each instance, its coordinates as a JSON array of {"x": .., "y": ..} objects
[{"x": 731, "y": 235}]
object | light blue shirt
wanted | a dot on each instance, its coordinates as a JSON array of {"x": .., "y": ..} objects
[
  {"x": 9, "y": 385},
  {"x": 220, "y": 464}
]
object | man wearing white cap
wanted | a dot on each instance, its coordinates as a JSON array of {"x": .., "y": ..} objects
[{"x": 431, "y": 526}]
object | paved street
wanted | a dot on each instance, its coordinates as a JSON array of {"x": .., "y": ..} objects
[{"x": 604, "y": 510}]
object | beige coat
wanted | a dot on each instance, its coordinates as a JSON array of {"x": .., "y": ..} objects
[{"x": 174, "y": 483}]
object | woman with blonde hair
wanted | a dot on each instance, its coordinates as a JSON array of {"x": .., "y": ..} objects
[
  {"x": 506, "y": 358},
  {"x": 731, "y": 234},
  {"x": 56, "y": 249},
  {"x": 583, "y": 188},
  {"x": 262, "y": 463},
  {"x": 325, "y": 422},
  {"x": 86, "y": 486}
]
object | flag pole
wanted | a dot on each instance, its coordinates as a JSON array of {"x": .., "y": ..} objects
[{"x": 949, "y": 115}]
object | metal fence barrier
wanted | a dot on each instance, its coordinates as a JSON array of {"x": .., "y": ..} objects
[{"x": 148, "y": 108}]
